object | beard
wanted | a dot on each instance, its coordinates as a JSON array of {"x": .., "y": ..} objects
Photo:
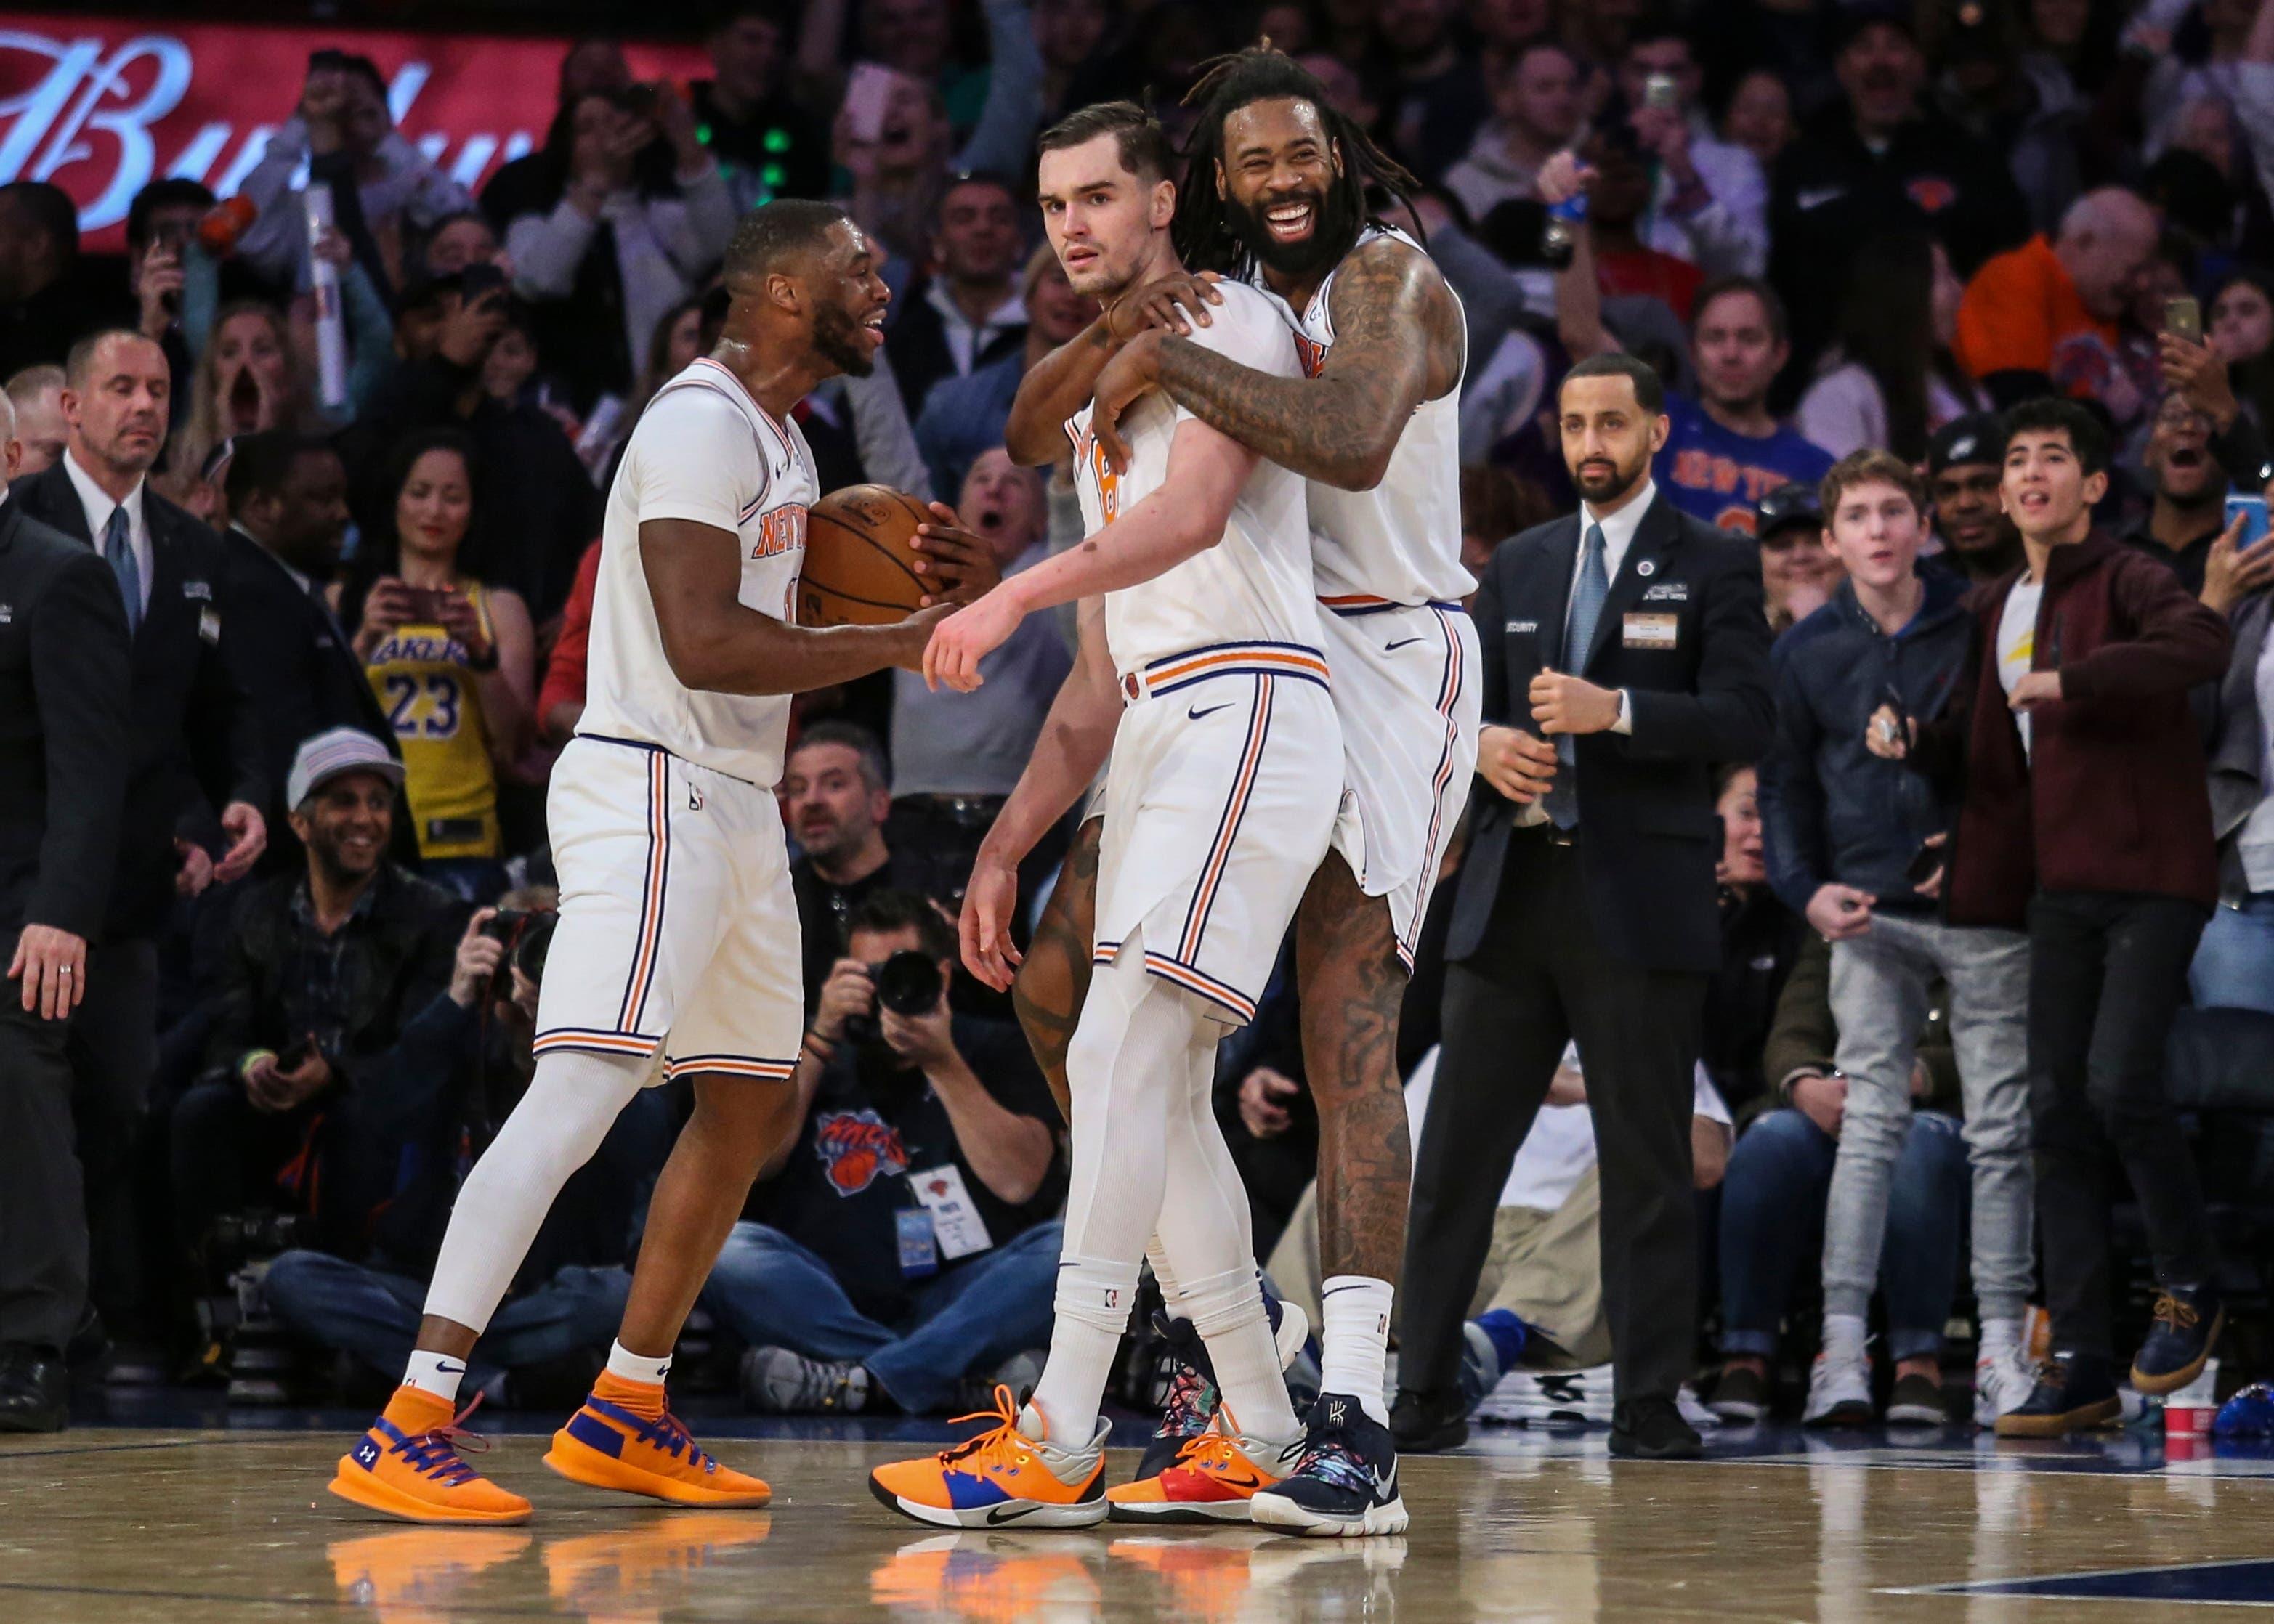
[
  {"x": 1334, "y": 231},
  {"x": 1600, "y": 487},
  {"x": 841, "y": 341}
]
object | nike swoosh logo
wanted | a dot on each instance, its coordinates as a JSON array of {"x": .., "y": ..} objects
[
  {"x": 998, "y": 1515},
  {"x": 1403, "y": 642},
  {"x": 1385, "y": 1488},
  {"x": 1195, "y": 715},
  {"x": 450, "y": 1370}
]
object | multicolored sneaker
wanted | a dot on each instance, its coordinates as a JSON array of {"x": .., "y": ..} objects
[
  {"x": 1344, "y": 1483},
  {"x": 407, "y": 1466},
  {"x": 606, "y": 1445},
  {"x": 1189, "y": 1409},
  {"x": 1007, "y": 1475},
  {"x": 1211, "y": 1480}
]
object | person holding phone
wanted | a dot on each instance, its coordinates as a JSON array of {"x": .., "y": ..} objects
[
  {"x": 452, "y": 660},
  {"x": 1856, "y": 842}
]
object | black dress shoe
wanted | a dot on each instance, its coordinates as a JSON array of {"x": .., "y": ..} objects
[
  {"x": 1425, "y": 1422},
  {"x": 1652, "y": 1428},
  {"x": 35, "y": 1390}
]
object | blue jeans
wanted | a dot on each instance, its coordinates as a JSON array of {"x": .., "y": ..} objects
[
  {"x": 773, "y": 1293},
  {"x": 2233, "y": 966},
  {"x": 374, "y": 1316},
  {"x": 1772, "y": 1201}
]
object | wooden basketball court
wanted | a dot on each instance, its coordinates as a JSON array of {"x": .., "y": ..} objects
[{"x": 230, "y": 1525}]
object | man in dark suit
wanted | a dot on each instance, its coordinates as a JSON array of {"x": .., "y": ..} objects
[
  {"x": 1625, "y": 653},
  {"x": 288, "y": 503},
  {"x": 62, "y": 782},
  {"x": 193, "y": 745}
]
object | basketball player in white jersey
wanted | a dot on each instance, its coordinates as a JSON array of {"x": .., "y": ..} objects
[
  {"x": 677, "y": 950},
  {"x": 1220, "y": 801},
  {"x": 1276, "y": 195}
]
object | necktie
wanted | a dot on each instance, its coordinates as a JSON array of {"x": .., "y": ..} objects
[
  {"x": 118, "y": 550},
  {"x": 1587, "y": 596}
]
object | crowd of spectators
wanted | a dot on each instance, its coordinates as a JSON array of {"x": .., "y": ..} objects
[{"x": 355, "y": 606}]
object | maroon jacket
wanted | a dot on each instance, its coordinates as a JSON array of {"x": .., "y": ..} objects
[{"x": 2115, "y": 797}]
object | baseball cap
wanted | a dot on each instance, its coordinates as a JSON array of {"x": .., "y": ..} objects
[
  {"x": 335, "y": 751},
  {"x": 1978, "y": 437},
  {"x": 1849, "y": 21},
  {"x": 1785, "y": 506}
]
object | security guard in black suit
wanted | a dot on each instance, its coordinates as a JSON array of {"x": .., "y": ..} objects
[
  {"x": 63, "y": 783},
  {"x": 1625, "y": 653},
  {"x": 288, "y": 509},
  {"x": 193, "y": 752}
]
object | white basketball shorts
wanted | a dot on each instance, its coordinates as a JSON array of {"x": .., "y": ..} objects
[
  {"x": 1408, "y": 689},
  {"x": 677, "y": 928},
  {"x": 1220, "y": 798}
]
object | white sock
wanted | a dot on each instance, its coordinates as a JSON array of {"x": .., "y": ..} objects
[
  {"x": 1172, "y": 1296},
  {"x": 622, "y": 1361},
  {"x": 1354, "y": 1333},
  {"x": 1846, "y": 1334},
  {"x": 438, "y": 1373},
  {"x": 1228, "y": 1312},
  {"x": 2000, "y": 1336},
  {"x": 1092, "y": 1307},
  {"x": 554, "y": 1128}
]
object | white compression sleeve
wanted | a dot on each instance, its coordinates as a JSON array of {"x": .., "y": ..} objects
[{"x": 569, "y": 1106}]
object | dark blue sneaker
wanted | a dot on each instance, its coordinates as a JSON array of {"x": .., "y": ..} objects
[
  {"x": 2248, "y": 1414},
  {"x": 1344, "y": 1483},
  {"x": 2074, "y": 1392},
  {"x": 2180, "y": 1336}
]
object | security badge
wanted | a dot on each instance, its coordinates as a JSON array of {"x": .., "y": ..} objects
[{"x": 1652, "y": 631}]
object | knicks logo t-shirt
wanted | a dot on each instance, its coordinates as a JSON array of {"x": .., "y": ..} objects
[{"x": 1717, "y": 475}]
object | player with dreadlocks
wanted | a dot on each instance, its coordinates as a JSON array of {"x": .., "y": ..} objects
[{"x": 1275, "y": 194}]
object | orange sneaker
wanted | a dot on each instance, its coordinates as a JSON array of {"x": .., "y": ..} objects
[
  {"x": 407, "y": 1466},
  {"x": 1007, "y": 1474},
  {"x": 416, "y": 1575},
  {"x": 1211, "y": 1480},
  {"x": 606, "y": 1445}
]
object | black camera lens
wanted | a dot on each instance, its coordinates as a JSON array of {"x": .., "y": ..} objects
[
  {"x": 536, "y": 941},
  {"x": 907, "y": 983}
]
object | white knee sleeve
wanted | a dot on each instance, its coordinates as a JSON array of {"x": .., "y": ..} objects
[{"x": 570, "y": 1105}]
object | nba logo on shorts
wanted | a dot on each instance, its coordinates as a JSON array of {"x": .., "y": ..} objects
[{"x": 1113, "y": 1297}]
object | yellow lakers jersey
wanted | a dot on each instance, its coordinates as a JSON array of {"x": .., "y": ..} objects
[{"x": 424, "y": 685}]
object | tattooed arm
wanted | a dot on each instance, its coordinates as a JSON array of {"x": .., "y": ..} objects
[
  {"x": 1341, "y": 426},
  {"x": 1058, "y": 385}
]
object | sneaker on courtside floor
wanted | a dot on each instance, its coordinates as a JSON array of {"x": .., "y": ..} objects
[
  {"x": 1007, "y": 1476},
  {"x": 407, "y": 1466},
  {"x": 1212, "y": 1479},
  {"x": 614, "y": 1443},
  {"x": 1189, "y": 1407},
  {"x": 1345, "y": 1483}
]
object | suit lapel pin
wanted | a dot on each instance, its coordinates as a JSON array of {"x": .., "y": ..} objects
[{"x": 1645, "y": 567}]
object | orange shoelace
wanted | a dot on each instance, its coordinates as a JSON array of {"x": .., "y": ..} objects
[
  {"x": 1002, "y": 1446},
  {"x": 1213, "y": 1452},
  {"x": 2174, "y": 1312}
]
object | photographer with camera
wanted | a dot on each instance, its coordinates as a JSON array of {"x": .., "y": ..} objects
[
  {"x": 905, "y": 1245},
  {"x": 465, "y": 1059},
  {"x": 325, "y": 969}
]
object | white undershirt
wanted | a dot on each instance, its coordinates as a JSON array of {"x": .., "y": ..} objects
[{"x": 2017, "y": 644}]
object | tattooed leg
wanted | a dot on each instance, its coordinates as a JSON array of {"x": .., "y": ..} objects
[
  {"x": 1055, "y": 977},
  {"x": 1352, "y": 982}
]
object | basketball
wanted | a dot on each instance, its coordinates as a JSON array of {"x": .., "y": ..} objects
[{"x": 860, "y": 554}]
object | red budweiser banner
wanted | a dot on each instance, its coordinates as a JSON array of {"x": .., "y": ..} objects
[{"x": 103, "y": 106}]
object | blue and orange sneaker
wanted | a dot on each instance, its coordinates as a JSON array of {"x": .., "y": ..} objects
[
  {"x": 1007, "y": 1475},
  {"x": 625, "y": 1438},
  {"x": 1188, "y": 1407},
  {"x": 1212, "y": 1479},
  {"x": 407, "y": 1466}
]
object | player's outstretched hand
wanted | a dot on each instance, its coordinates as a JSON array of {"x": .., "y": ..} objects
[
  {"x": 1167, "y": 304},
  {"x": 965, "y": 638},
  {"x": 1131, "y": 372},
  {"x": 960, "y": 562},
  {"x": 988, "y": 902}
]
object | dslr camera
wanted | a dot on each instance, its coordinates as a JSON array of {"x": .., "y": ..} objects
[{"x": 907, "y": 983}]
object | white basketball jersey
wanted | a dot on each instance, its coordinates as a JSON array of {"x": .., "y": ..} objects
[
  {"x": 1400, "y": 542},
  {"x": 703, "y": 450},
  {"x": 1253, "y": 586}
]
